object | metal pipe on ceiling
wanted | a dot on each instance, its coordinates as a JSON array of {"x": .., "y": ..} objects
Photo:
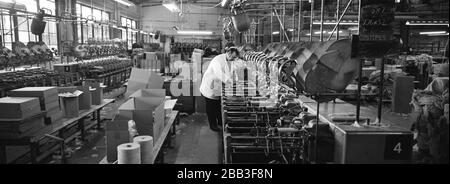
[
  {"x": 321, "y": 19},
  {"x": 299, "y": 27},
  {"x": 311, "y": 22},
  {"x": 337, "y": 18},
  {"x": 340, "y": 19}
]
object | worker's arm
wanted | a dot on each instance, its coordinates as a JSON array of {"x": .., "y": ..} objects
[{"x": 221, "y": 75}]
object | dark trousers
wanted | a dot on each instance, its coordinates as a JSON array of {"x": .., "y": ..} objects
[{"x": 213, "y": 110}]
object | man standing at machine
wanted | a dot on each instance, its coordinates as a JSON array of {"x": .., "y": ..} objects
[{"x": 219, "y": 71}]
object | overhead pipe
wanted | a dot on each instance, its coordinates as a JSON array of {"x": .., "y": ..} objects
[
  {"x": 284, "y": 18},
  {"x": 321, "y": 19},
  {"x": 312, "y": 21},
  {"x": 337, "y": 18},
  {"x": 299, "y": 19},
  {"x": 293, "y": 21},
  {"x": 271, "y": 26},
  {"x": 340, "y": 19},
  {"x": 279, "y": 20}
]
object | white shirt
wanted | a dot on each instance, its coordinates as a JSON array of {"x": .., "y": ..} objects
[{"x": 218, "y": 72}]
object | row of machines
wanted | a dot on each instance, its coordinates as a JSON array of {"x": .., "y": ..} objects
[
  {"x": 34, "y": 53},
  {"x": 263, "y": 121},
  {"x": 101, "y": 62},
  {"x": 111, "y": 71},
  {"x": 33, "y": 77}
]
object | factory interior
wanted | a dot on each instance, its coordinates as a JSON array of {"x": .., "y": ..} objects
[{"x": 224, "y": 82}]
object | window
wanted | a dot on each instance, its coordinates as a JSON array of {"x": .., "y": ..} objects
[
  {"x": 128, "y": 34},
  {"x": 24, "y": 26},
  {"x": 31, "y": 5},
  {"x": 92, "y": 31},
  {"x": 24, "y": 21},
  {"x": 48, "y": 4},
  {"x": 6, "y": 27},
  {"x": 79, "y": 27},
  {"x": 50, "y": 36},
  {"x": 133, "y": 24}
]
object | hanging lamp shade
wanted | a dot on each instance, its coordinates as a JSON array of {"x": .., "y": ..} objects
[{"x": 241, "y": 22}]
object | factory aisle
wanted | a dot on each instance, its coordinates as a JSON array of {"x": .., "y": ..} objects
[{"x": 195, "y": 142}]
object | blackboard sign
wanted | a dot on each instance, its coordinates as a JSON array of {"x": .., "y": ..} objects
[{"x": 376, "y": 27}]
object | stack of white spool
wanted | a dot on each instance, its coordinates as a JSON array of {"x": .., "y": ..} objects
[
  {"x": 146, "y": 143},
  {"x": 129, "y": 153}
]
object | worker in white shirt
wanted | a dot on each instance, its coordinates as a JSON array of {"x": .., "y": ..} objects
[{"x": 219, "y": 71}]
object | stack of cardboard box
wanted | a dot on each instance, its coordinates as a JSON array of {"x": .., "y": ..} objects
[
  {"x": 48, "y": 98},
  {"x": 20, "y": 115}
]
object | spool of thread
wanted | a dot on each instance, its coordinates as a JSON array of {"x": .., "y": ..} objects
[
  {"x": 129, "y": 153},
  {"x": 146, "y": 143}
]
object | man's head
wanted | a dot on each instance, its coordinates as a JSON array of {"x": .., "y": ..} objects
[{"x": 232, "y": 53}]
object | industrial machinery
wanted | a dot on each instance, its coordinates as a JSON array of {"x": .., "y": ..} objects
[
  {"x": 268, "y": 116},
  {"x": 263, "y": 130},
  {"x": 263, "y": 120},
  {"x": 34, "y": 77}
]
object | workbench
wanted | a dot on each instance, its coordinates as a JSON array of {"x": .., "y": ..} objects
[
  {"x": 170, "y": 127},
  {"x": 62, "y": 131}
]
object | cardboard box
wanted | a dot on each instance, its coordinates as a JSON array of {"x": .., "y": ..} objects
[
  {"x": 96, "y": 92},
  {"x": 70, "y": 89},
  {"x": 143, "y": 79},
  {"x": 19, "y": 107},
  {"x": 116, "y": 134},
  {"x": 22, "y": 126},
  {"x": 147, "y": 112},
  {"x": 48, "y": 96},
  {"x": 12, "y": 130},
  {"x": 169, "y": 105},
  {"x": 85, "y": 99},
  {"x": 158, "y": 93},
  {"x": 53, "y": 116},
  {"x": 114, "y": 139},
  {"x": 70, "y": 104}
]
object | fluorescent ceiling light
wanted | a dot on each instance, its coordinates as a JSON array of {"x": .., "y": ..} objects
[
  {"x": 276, "y": 32},
  {"x": 445, "y": 34},
  {"x": 335, "y": 31},
  {"x": 290, "y": 29},
  {"x": 325, "y": 32},
  {"x": 195, "y": 32},
  {"x": 171, "y": 5},
  {"x": 426, "y": 24},
  {"x": 124, "y": 2},
  {"x": 432, "y": 32}
]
